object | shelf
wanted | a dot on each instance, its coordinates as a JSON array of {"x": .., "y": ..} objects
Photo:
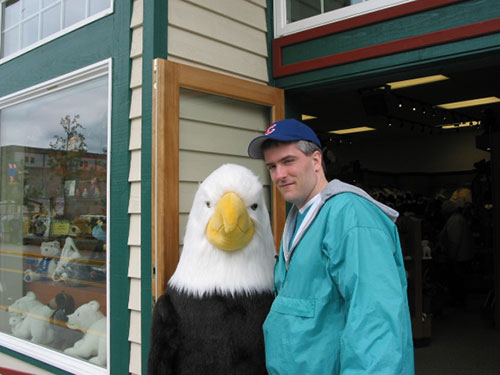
[{"x": 46, "y": 290}]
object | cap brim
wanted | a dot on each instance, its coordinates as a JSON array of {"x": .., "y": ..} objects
[{"x": 255, "y": 147}]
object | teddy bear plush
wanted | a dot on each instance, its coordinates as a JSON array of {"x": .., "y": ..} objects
[
  {"x": 46, "y": 265},
  {"x": 89, "y": 319}
]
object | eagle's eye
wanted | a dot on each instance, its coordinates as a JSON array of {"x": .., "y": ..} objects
[
  {"x": 254, "y": 206},
  {"x": 208, "y": 204}
]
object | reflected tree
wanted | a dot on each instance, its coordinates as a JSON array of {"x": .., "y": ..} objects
[{"x": 66, "y": 152}]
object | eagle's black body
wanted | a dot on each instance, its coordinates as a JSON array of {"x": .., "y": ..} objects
[{"x": 212, "y": 335}]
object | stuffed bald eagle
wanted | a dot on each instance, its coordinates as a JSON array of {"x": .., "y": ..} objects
[{"x": 209, "y": 320}]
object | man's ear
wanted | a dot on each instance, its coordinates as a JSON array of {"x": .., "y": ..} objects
[{"x": 317, "y": 158}]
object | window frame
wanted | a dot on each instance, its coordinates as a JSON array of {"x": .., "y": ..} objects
[
  {"x": 281, "y": 28},
  {"x": 36, "y": 351},
  {"x": 51, "y": 37}
]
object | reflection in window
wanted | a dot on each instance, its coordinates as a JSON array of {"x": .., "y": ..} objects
[
  {"x": 301, "y": 9},
  {"x": 25, "y": 22},
  {"x": 53, "y": 216}
]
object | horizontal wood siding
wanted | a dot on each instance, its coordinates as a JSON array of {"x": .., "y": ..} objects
[
  {"x": 134, "y": 206},
  {"x": 228, "y": 36}
]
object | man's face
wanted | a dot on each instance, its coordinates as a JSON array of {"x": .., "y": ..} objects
[{"x": 293, "y": 172}]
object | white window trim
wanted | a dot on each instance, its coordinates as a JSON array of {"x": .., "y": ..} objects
[
  {"x": 56, "y": 35},
  {"x": 281, "y": 28},
  {"x": 38, "y": 352}
]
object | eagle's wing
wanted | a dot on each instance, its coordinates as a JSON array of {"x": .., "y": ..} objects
[{"x": 163, "y": 340}]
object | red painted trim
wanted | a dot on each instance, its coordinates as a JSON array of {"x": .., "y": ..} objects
[
  {"x": 6, "y": 371},
  {"x": 363, "y": 20},
  {"x": 401, "y": 45}
]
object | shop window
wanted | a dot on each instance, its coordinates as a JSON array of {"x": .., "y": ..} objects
[
  {"x": 292, "y": 16},
  {"x": 53, "y": 219},
  {"x": 27, "y": 23}
]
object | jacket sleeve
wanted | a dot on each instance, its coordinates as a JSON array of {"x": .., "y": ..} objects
[
  {"x": 371, "y": 279},
  {"x": 163, "y": 343}
]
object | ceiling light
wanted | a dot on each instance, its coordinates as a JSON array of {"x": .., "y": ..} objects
[
  {"x": 308, "y": 117},
  {"x": 416, "y": 81},
  {"x": 461, "y": 125},
  {"x": 352, "y": 130},
  {"x": 470, "y": 103}
]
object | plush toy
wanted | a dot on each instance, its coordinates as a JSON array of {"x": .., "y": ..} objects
[
  {"x": 29, "y": 319},
  {"x": 426, "y": 250},
  {"x": 209, "y": 320},
  {"x": 89, "y": 319},
  {"x": 63, "y": 305},
  {"x": 38, "y": 324},
  {"x": 71, "y": 268},
  {"x": 46, "y": 265}
]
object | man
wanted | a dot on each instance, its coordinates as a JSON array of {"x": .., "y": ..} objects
[{"x": 340, "y": 284}]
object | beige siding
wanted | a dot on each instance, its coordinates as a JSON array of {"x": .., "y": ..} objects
[
  {"x": 228, "y": 36},
  {"x": 134, "y": 207}
]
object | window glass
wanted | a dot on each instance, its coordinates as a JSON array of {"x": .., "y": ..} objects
[
  {"x": 51, "y": 20},
  {"x": 300, "y": 9},
  {"x": 12, "y": 13},
  {"x": 29, "y": 8},
  {"x": 26, "y": 22},
  {"x": 10, "y": 41},
  {"x": 53, "y": 218},
  {"x": 29, "y": 32},
  {"x": 296, "y": 15},
  {"x": 98, "y": 5},
  {"x": 74, "y": 11}
]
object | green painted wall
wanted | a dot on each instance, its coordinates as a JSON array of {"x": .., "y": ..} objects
[{"x": 106, "y": 38}]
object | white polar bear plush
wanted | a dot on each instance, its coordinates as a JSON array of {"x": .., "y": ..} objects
[
  {"x": 38, "y": 324},
  {"x": 90, "y": 320},
  {"x": 30, "y": 319},
  {"x": 19, "y": 310},
  {"x": 47, "y": 264}
]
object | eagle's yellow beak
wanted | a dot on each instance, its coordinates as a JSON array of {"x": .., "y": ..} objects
[{"x": 230, "y": 228}]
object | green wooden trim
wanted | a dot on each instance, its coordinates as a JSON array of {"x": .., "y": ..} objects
[
  {"x": 477, "y": 47},
  {"x": 154, "y": 45},
  {"x": 80, "y": 48},
  {"x": 269, "y": 39},
  {"x": 33, "y": 362},
  {"x": 120, "y": 189},
  {"x": 108, "y": 37},
  {"x": 444, "y": 18}
]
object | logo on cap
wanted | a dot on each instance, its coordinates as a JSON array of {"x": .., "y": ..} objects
[{"x": 271, "y": 129}]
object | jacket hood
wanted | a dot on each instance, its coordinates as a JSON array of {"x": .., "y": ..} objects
[
  {"x": 336, "y": 187},
  {"x": 333, "y": 188}
]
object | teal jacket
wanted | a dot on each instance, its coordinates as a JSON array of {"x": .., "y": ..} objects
[{"x": 341, "y": 305}]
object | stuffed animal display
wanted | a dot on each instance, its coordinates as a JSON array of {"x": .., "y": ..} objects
[
  {"x": 42, "y": 323},
  {"x": 71, "y": 267},
  {"x": 90, "y": 320},
  {"x": 209, "y": 320},
  {"x": 43, "y": 268}
]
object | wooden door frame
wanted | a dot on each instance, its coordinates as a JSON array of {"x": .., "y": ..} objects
[{"x": 168, "y": 78}]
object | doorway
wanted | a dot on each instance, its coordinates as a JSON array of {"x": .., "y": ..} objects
[{"x": 419, "y": 155}]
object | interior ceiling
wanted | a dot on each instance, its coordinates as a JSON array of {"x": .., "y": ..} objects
[{"x": 371, "y": 103}]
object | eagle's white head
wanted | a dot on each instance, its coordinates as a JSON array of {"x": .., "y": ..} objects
[{"x": 228, "y": 246}]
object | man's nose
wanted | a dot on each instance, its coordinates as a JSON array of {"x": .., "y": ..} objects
[{"x": 280, "y": 172}]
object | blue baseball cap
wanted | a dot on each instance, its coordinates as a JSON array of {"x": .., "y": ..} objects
[{"x": 289, "y": 130}]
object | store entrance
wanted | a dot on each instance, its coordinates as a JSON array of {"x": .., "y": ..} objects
[{"x": 433, "y": 163}]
